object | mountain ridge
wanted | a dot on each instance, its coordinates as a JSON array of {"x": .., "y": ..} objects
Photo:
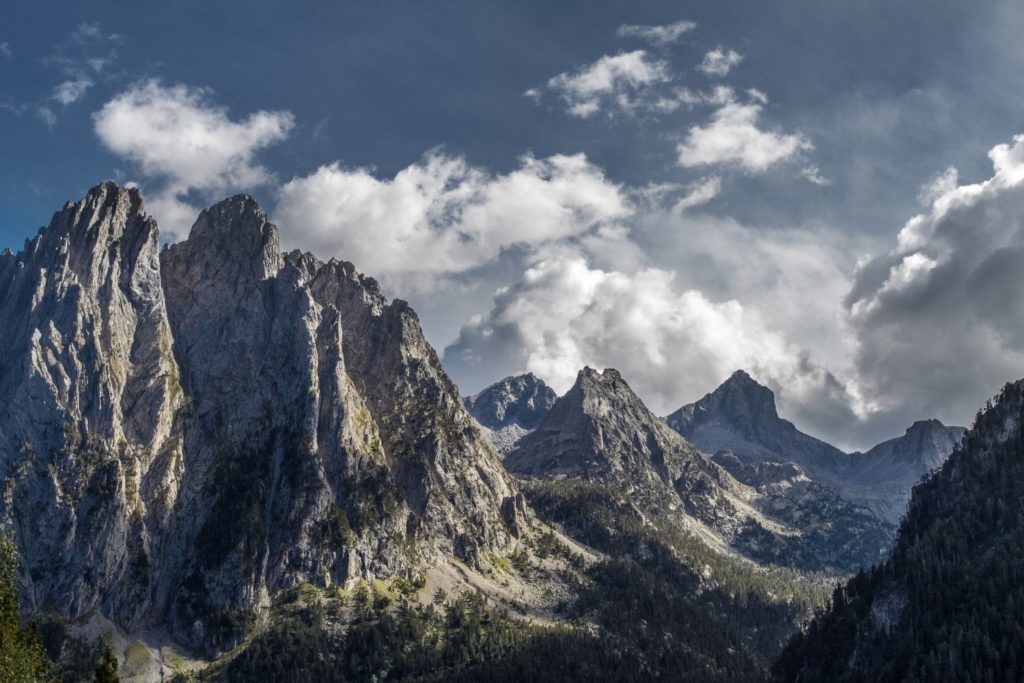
[
  {"x": 198, "y": 428},
  {"x": 740, "y": 416}
]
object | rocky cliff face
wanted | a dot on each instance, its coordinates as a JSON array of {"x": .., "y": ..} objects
[
  {"x": 183, "y": 434},
  {"x": 740, "y": 416},
  {"x": 511, "y": 408},
  {"x": 601, "y": 432}
]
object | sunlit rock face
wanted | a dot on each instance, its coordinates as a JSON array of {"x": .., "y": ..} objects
[{"x": 184, "y": 433}]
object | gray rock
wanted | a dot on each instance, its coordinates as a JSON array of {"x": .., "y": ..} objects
[
  {"x": 523, "y": 400},
  {"x": 184, "y": 434},
  {"x": 740, "y": 416},
  {"x": 888, "y": 472},
  {"x": 511, "y": 408}
]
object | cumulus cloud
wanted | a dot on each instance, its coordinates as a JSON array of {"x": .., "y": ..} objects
[
  {"x": 657, "y": 35},
  {"x": 177, "y": 137},
  {"x": 717, "y": 63},
  {"x": 71, "y": 90},
  {"x": 612, "y": 78},
  {"x": 938, "y": 319},
  {"x": 668, "y": 342},
  {"x": 733, "y": 138},
  {"x": 443, "y": 216}
]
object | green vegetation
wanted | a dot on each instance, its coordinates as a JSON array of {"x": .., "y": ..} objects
[
  {"x": 22, "y": 659},
  {"x": 106, "y": 669},
  {"x": 465, "y": 640},
  {"x": 668, "y": 601},
  {"x": 643, "y": 613},
  {"x": 949, "y": 603}
]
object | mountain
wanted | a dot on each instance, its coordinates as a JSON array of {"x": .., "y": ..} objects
[
  {"x": 511, "y": 408},
  {"x": 184, "y": 434},
  {"x": 601, "y": 433},
  {"x": 893, "y": 467},
  {"x": 740, "y": 416},
  {"x": 949, "y": 602}
]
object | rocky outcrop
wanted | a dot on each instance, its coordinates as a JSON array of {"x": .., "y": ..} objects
[
  {"x": 90, "y": 452},
  {"x": 511, "y": 408},
  {"x": 184, "y": 434},
  {"x": 834, "y": 531}
]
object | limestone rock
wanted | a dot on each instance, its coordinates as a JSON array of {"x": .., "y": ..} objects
[{"x": 185, "y": 433}]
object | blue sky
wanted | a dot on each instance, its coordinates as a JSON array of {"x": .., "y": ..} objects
[{"x": 673, "y": 189}]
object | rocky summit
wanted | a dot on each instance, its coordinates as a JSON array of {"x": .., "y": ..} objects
[
  {"x": 511, "y": 408},
  {"x": 185, "y": 433},
  {"x": 741, "y": 417}
]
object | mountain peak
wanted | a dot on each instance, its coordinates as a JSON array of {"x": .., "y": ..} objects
[
  {"x": 745, "y": 398},
  {"x": 235, "y": 231},
  {"x": 739, "y": 401},
  {"x": 520, "y": 400},
  {"x": 589, "y": 376},
  {"x": 741, "y": 416},
  {"x": 600, "y": 428},
  {"x": 925, "y": 426}
]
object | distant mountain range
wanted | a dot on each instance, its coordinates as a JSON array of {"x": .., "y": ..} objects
[
  {"x": 600, "y": 432},
  {"x": 740, "y": 416},
  {"x": 740, "y": 419}
]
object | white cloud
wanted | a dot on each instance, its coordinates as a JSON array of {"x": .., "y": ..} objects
[
  {"x": 612, "y": 78},
  {"x": 668, "y": 342},
  {"x": 442, "y": 216},
  {"x": 813, "y": 174},
  {"x": 181, "y": 140},
  {"x": 71, "y": 90},
  {"x": 938, "y": 185},
  {"x": 718, "y": 62},
  {"x": 937, "y": 319},
  {"x": 699, "y": 193},
  {"x": 657, "y": 35},
  {"x": 734, "y": 138},
  {"x": 5, "y": 50}
]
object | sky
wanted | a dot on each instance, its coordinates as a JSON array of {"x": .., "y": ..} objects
[{"x": 826, "y": 194}]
